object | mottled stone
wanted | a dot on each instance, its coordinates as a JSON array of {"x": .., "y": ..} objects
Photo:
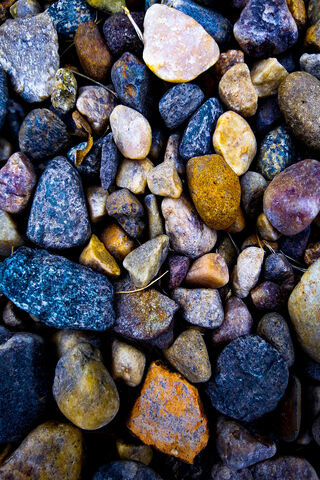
[
  {"x": 120, "y": 35},
  {"x": 237, "y": 91},
  {"x": 253, "y": 186},
  {"x": 107, "y": 6},
  {"x": 9, "y": 235},
  {"x": 287, "y": 417},
  {"x": 67, "y": 15},
  {"x": 310, "y": 63},
  {"x": 312, "y": 253},
  {"x": 227, "y": 60},
  {"x": 238, "y": 223},
  {"x": 155, "y": 224},
  {"x": 132, "y": 174},
  {"x": 64, "y": 93},
  {"x": 294, "y": 245},
  {"x": 172, "y": 152},
  {"x": 266, "y": 230},
  {"x": 209, "y": 271},
  {"x": 312, "y": 38},
  {"x": 237, "y": 322},
  {"x": 277, "y": 268},
  {"x": 313, "y": 11},
  {"x": 23, "y": 8},
  {"x": 227, "y": 250},
  {"x": 266, "y": 76},
  {"x": 138, "y": 453},
  {"x": 298, "y": 11},
  {"x": 96, "y": 200},
  {"x": 110, "y": 159},
  {"x": 96, "y": 256},
  {"x": 127, "y": 363},
  {"x": 90, "y": 165},
  {"x": 96, "y": 104},
  {"x": 65, "y": 340},
  {"x": 12, "y": 316},
  {"x": 117, "y": 241},
  {"x": 4, "y": 96},
  {"x": 163, "y": 180},
  {"x": 178, "y": 268},
  {"x": 127, "y": 210},
  {"x": 247, "y": 271},
  {"x": 125, "y": 470},
  {"x": 267, "y": 296},
  {"x": 179, "y": 103},
  {"x": 6, "y": 148},
  {"x": 222, "y": 472},
  {"x": 288, "y": 467}
]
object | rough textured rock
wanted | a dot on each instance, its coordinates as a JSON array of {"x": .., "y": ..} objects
[
  {"x": 253, "y": 185},
  {"x": 96, "y": 103},
  {"x": 110, "y": 159},
  {"x": 96, "y": 198},
  {"x": 125, "y": 470},
  {"x": 310, "y": 63},
  {"x": 117, "y": 242},
  {"x": 178, "y": 268},
  {"x": 227, "y": 60},
  {"x": 9, "y": 235},
  {"x": 132, "y": 174},
  {"x": 64, "y": 93},
  {"x": 288, "y": 467},
  {"x": 120, "y": 35},
  {"x": 237, "y": 322},
  {"x": 267, "y": 296},
  {"x": 179, "y": 103},
  {"x": 237, "y": 91},
  {"x": 4, "y": 96},
  {"x": 128, "y": 363},
  {"x": 246, "y": 273},
  {"x": 127, "y": 210},
  {"x": 274, "y": 329},
  {"x": 96, "y": 256},
  {"x": 155, "y": 223},
  {"x": 67, "y": 15},
  {"x": 163, "y": 180}
]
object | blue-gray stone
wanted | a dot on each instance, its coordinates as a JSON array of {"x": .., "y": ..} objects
[
  {"x": 179, "y": 103},
  {"x": 67, "y": 15},
  {"x": 197, "y": 137},
  {"x": 125, "y": 470},
  {"x": 4, "y": 96},
  {"x": 120, "y": 35},
  {"x": 268, "y": 115},
  {"x": 60, "y": 293},
  {"x": 90, "y": 166},
  {"x": 310, "y": 63},
  {"x": 110, "y": 159},
  {"x": 294, "y": 245},
  {"x": 58, "y": 218}
]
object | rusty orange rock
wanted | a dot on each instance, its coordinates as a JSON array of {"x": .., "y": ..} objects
[
  {"x": 169, "y": 414},
  {"x": 209, "y": 271}
]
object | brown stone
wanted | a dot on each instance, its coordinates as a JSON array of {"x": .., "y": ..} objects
[
  {"x": 312, "y": 38},
  {"x": 96, "y": 256},
  {"x": 287, "y": 416},
  {"x": 117, "y": 242},
  {"x": 237, "y": 92},
  {"x": 238, "y": 224},
  {"x": 266, "y": 229},
  {"x": 227, "y": 60},
  {"x": 237, "y": 322},
  {"x": 136, "y": 453},
  {"x": 163, "y": 180},
  {"x": 312, "y": 253},
  {"x": 298, "y": 11},
  {"x": 210, "y": 271},
  {"x": 267, "y": 296},
  {"x": 96, "y": 103}
]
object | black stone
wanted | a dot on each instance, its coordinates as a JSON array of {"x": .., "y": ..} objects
[
  {"x": 4, "y": 96},
  {"x": 157, "y": 145},
  {"x": 67, "y": 15},
  {"x": 268, "y": 115},
  {"x": 14, "y": 119},
  {"x": 110, "y": 158},
  {"x": 120, "y": 35},
  {"x": 90, "y": 166},
  {"x": 125, "y": 470},
  {"x": 277, "y": 268},
  {"x": 179, "y": 103},
  {"x": 294, "y": 245}
]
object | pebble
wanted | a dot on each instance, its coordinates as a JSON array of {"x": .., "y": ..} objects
[
  {"x": 12, "y": 316},
  {"x": 178, "y": 268},
  {"x": 298, "y": 11},
  {"x": 312, "y": 38},
  {"x": 131, "y": 132},
  {"x": 144, "y": 263},
  {"x": 200, "y": 306},
  {"x": 9, "y": 235},
  {"x": 266, "y": 230},
  {"x": 277, "y": 268},
  {"x": 179, "y": 103},
  {"x": 237, "y": 322},
  {"x": 188, "y": 235},
  {"x": 64, "y": 93},
  {"x": 4, "y": 96},
  {"x": 222, "y": 472},
  {"x": 23, "y": 8},
  {"x": 172, "y": 152},
  {"x": 253, "y": 185},
  {"x": 183, "y": 432},
  {"x": 65, "y": 340},
  {"x": 316, "y": 430},
  {"x": 127, "y": 363},
  {"x": 139, "y": 453},
  {"x": 288, "y": 467},
  {"x": 227, "y": 60},
  {"x": 238, "y": 224},
  {"x": 265, "y": 29},
  {"x": 17, "y": 181},
  {"x": 292, "y": 200},
  {"x": 96, "y": 199},
  {"x": 117, "y": 241},
  {"x": 237, "y": 91},
  {"x": 127, "y": 210},
  {"x": 107, "y": 6},
  {"x": 250, "y": 378},
  {"x": 266, "y": 76},
  {"x": 155, "y": 225},
  {"x": 294, "y": 245},
  {"x": 197, "y": 137},
  {"x": 30, "y": 62},
  {"x": 45, "y": 285},
  {"x": 310, "y": 63},
  {"x": 313, "y": 11},
  {"x": 51, "y": 450},
  {"x": 120, "y": 35},
  {"x": 184, "y": 54},
  {"x": 6, "y": 149},
  {"x": 96, "y": 256},
  {"x": 67, "y": 15},
  {"x": 132, "y": 174},
  {"x": 287, "y": 417},
  {"x": 247, "y": 271},
  {"x": 163, "y": 180},
  {"x": 96, "y": 104},
  {"x": 24, "y": 384},
  {"x": 110, "y": 159},
  {"x": 83, "y": 388},
  {"x": 125, "y": 470},
  {"x": 234, "y": 140},
  {"x": 90, "y": 166},
  {"x": 209, "y": 271},
  {"x": 312, "y": 253},
  {"x": 158, "y": 143},
  {"x": 42, "y": 134},
  {"x": 268, "y": 115},
  {"x": 267, "y": 296},
  {"x": 58, "y": 217},
  {"x": 227, "y": 250}
]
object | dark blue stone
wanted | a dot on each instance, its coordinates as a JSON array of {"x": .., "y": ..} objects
[
  {"x": 110, "y": 158},
  {"x": 179, "y": 103},
  {"x": 120, "y": 35},
  {"x": 90, "y": 166},
  {"x": 267, "y": 116},
  {"x": 4, "y": 96},
  {"x": 197, "y": 137},
  {"x": 60, "y": 293},
  {"x": 294, "y": 245},
  {"x": 287, "y": 60},
  {"x": 67, "y": 15},
  {"x": 125, "y": 470}
]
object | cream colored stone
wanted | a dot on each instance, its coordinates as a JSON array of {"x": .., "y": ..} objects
[
  {"x": 132, "y": 174},
  {"x": 266, "y": 76},
  {"x": 128, "y": 363},
  {"x": 96, "y": 198},
  {"x": 237, "y": 92},
  {"x": 163, "y": 180},
  {"x": 247, "y": 271},
  {"x": 9, "y": 236}
]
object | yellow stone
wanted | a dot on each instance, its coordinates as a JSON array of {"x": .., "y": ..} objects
[
  {"x": 266, "y": 229},
  {"x": 266, "y": 76},
  {"x": 117, "y": 241},
  {"x": 132, "y": 174},
  {"x": 163, "y": 180},
  {"x": 96, "y": 256},
  {"x": 312, "y": 38},
  {"x": 137, "y": 453},
  {"x": 176, "y": 47},
  {"x": 96, "y": 199},
  {"x": 239, "y": 223},
  {"x": 298, "y": 11}
]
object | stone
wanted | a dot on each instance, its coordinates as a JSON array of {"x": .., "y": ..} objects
[
  {"x": 132, "y": 174},
  {"x": 120, "y": 35},
  {"x": 125, "y": 470},
  {"x": 163, "y": 180},
  {"x": 184, "y": 54},
  {"x": 144, "y": 262},
  {"x": 12, "y": 316},
  {"x": 117, "y": 241},
  {"x": 96, "y": 256},
  {"x": 277, "y": 268},
  {"x": 183, "y": 432},
  {"x": 90, "y": 165},
  {"x": 267, "y": 296},
  {"x": 238, "y": 224},
  {"x": 215, "y": 190},
  {"x": 200, "y": 306},
  {"x": 17, "y": 181},
  {"x": 155, "y": 225},
  {"x": 316, "y": 430},
  {"x": 266, "y": 76},
  {"x": 209, "y": 271},
  {"x": 4, "y": 96},
  {"x": 312, "y": 38},
  {"x": 287, "y": 417},
  {"x": 237, "y": 322},
  {"x": 96, "y": 104},
  {"x": 93, "y": 54},
  {"x": 64, "y": 93},
  {"x": 24, "y": 384},
  {"x": 310, "y": 63},
  {"x": 138, "y": 453},
  {"x": 238, "y": 447},
  {"x": 227, "y": 60},
  {"x": 268, "y": 115},
  {"x": 30, "y": 61},
  {"x": 172, "y": 152},
  {"x": 178, "y": 268},
  {"x": 67, "y": 15},
  {"x": 58, "y": 217},
  {"x": 265, "y": 29},
  {"x": 107, "y": 6},
  {"x": 253, "y": 185},
  {"x": 299, "y": 103},
  {"x": 266, "y": 230},
  {"x": 131, "y": 132},
  {"x": 10, "y": 238},
  {"x": 222, "y": 472},
  {"x": 46, "y": 285},
  {"x": 189, "y": 355},
  {"x": 158, "y": 143},
  {"x": 53, "y": 449},
  {"x": 83, "y": 388},
  {"x": 312, "y": 253},
  {"x": 179, "y": 103},
  {"x": 110, "y": 159},
  {"x": 313, "y": 11},
  {"x": 247, "y": 271},
  {"x": 6, "y": 149},
  {"x": 127, "y": 210},
  {"x": 304, "y": 311},
  {"x": 237, "y": 91},
  {"x": 127, "y": 363},
  {"x": 250, "y": 379},
  {"x": 23, "y": 8},
  {"x": 292, "y": 200},
  {"x": 288, "y": 467},
  {"x": 294, "y": 245},
  {"x": 298, "y": 11},
  {"x": 42, "y": 135},
  {"x": 197, "y": 137},
  {"x": 188, "y": 235},
  {"x": 65, "y": 340},
  {"x": 227, "y": 250},
  {"x": 96, "y": 200},
  {"x": 234, "y": 140}
]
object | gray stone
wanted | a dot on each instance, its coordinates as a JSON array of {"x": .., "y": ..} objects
[
  {"x": 179, "y": 103},
  {"x": 273, "y": 328},
  {"x": 310, "y": 63}
]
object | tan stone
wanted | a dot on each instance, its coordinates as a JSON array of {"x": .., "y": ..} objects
[
  {"x": 266, "y": 229},
  {"x": 266, "y": 76},
  {"x": 239, "y": 223},
  {"x": 117, "y": 242},
  {"x": 96, "y": 256},
  {"x": 127, "y": 363},
  {"x": 9, "y": 236},
  {"x": 96, "y": 199},
  {"x": 246, "y": 273},
  {"x": 132, "y": 174},
  {"x": 136, "y": 453},
  {"x": 154, "y": 218},
  {"x": 237, "y": 92},
  {"x": 163, "y": 180},
  {"x": 209, "y": 271}
]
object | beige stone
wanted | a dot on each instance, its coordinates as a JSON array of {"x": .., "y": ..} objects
[
  {"x": 163, "y": 180},
  {"x": 155, "y": 223},
  {"x": 266, "y": 229},
  {"x": 127, "y": 363},
  {"x": 132, "y": 174},
  {"x": 237, "y": 92},
  {"x": 9, "y": 236},
  {"x": 246, "y": 273},
  {"x": 266, "y": 76},
  {"x": 209, "y": 271},
  {"x": 96, "y": 199}
]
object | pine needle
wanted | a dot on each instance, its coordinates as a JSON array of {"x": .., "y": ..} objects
[
  {"x": 133, "y": 23},
  {"x": 143, "y": 288},
  {"x": 67, "y": 49},
  {"x": 93, "y": 81},
  {"x": 233, "y": 243},
  {"x": 268, "y": 246}
]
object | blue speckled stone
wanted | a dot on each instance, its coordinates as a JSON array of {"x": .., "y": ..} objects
[
  {"x": 268, "y": 115},
  {"x": 4, "y": 96},
  {"x": 277, "y": 152},
  {"x": 294, "y": 245},
  {"x": 125, "y": 470},
  {"x": 197, "y": 137},
  {"x": 60, "y": 293},
  {"x": 67, "y": 15},
  {"x": 132, "y": 81},
  {"x": 90, "y": 166},
  {"x": 110, "y": 158},
  {"x": 179, "y": 103}
]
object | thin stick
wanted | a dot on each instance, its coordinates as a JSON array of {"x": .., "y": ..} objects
[
  {"x": 234, "y": 243},
  {"x": 93, "y": 81},
  {"x": 135, "y": 26},
  {"x": 143, "y": 288}
]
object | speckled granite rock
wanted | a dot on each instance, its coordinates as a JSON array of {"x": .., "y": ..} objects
[
  {"x": 67, "y": 15},
  {"x": 110, "y": 158},
  {"x": 179, "y": 103},
  {"x": 289, "y": 468},
  {"x": 4, "y": 96},
  {"x": 125, "y": 470}
]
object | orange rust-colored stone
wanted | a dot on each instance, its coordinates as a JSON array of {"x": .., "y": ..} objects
[
  {"x": 298, "y": 11},
  {"x": 312, "y": 38},
  {"x": 117, "y": 241},
  {"x": 210, "y": 271},
  {"x": 169, "y": 414}
]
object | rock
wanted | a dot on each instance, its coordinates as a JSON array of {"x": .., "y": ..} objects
[
  {"x": 265, "y": 29},
  {"x": 316, "y": 430},
  {"x": 210, "y": 271},
  {"x": 287, "y": 417},
  {"x": 42, "y": 134},
  {"x": 110, "y": 159},
  {"x": 299, "y": 103},
  {"x": 215, "y": 190},
  {"x": 284, "y": 467},
  {"x": 227, "y": 250},
  {"x": 172, "y": 152},
  {"x": 238, "y": 224},
  {"x": 313, "y": 11},
  {"x": 294, "y": 245},
  {"x": 93, "y": 54},
  {"x": 120, "y": 35},
  {"x": 312, "y": 253},
  {"x": 227, "y": 60},
  {"x": 96, "y": 199},
  {"x": 96, "y": 103},
  {"x": 184, "y": 54},
  {"x": 12, "y": 316},
  {"x": 250, "y": 378},
  {"x": 304, "y": 311},
  {"x": 234, "y": 140},
  {"x": 6, "y": 149},
  {"x": 163, "y": 180},
  {"x": 154, "y": 217},
  {"x": 237, "y": 91},
  {"x": 67, "y": 15},
  {"x": 197, "y": 136},
  {"x": 267, "y": 116},
  {"x": 157, "y": 145},
  {"x": 125, "y": 470},
  {"x": 107, "y": 6},
  {"x": 24, "y": 384},
  {"x": 267, "y": 296},
  {"x": 312, "y": 39},
  {"x": 292, "y": 200},
  {"x": 45, "y": 285},
  {"x": 247, "y": 271},
  {"x": 64, "y": 93},
  {"x": 17, "y": 180},
  {"x": 90, "y": 166},
  {"x": 4, "y": 96},
  {"x": 9, "y": 235},
  {"x": 65, "y": 340},
  {"x": 30, "y": 62},
  {"x": 96, "y": 256},
  {"x": 253, "y": 186},
  {"x": 179, "y": 103},
  {"x": 131, "y": 132},
  {"x": 23, "y": 8},
  {"x": 51, "y": 450},
  {"x": 117, "y": 241},
  {"x": 188, "y": 235},
  {"x": 310, "y": 63},
  {"x": 58, "y": 217},
  {"x": 266, "y": 76},
  {"x": 83, "y": 388},
  {"x": 277, "y": 152},
  {"x": 132, "y": 174},
  {"x": 183, "y": 433},
  {"x": 298, "y": 11},
  {"x": 200, "y": 306},
  {"x": 139, "y": 453},
  {"x": 127, "y": 210},
  {"x": 222, "y": 472},
  {"x": 144, "y": 262},
  {"x": 237, "y": 322},
  {"x": 266, "y": 230},
  {"x": 189, "y": 355},
  {"x": 178, "y": 268},
  {"x": 128, "y": 363},
  {"x": 238, "y": 447}
]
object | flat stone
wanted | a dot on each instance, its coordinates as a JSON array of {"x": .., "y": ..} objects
[
  {"x": 310, "y": 63},
  {"x": 163, "y": 180},
  {"x": 128, "y": 363},
  {"x": 127, "y": 210},
  {"x": 210, "y": 271},
  {"x": 110, "y": 159},
  {"x": 237, "y": 91},
  {"x": 120, "y": 35},
  {"x": 274, "y": 329},
  {"x": 132, "y": 174},
  {"x": 67, "y": 15},
  {"x": 237, "y": 322},
  {"x": 64, "y": 93},
  {"x": 96, "y": 200},
  {"x": 96, "y": 256},
  {"x": 266, "y": 76},
  {"x": 253, "y": 185},
  {"x": 288, "y": 467},
  {"x": 247, "y": 271},
  {"x": 125, "y": 470},
  {"x": 117, "y": 241},
  {"x": 9, "y": 235},
  {"x": 155, "y": 223},
  {"x": 96, "y": 104}
]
